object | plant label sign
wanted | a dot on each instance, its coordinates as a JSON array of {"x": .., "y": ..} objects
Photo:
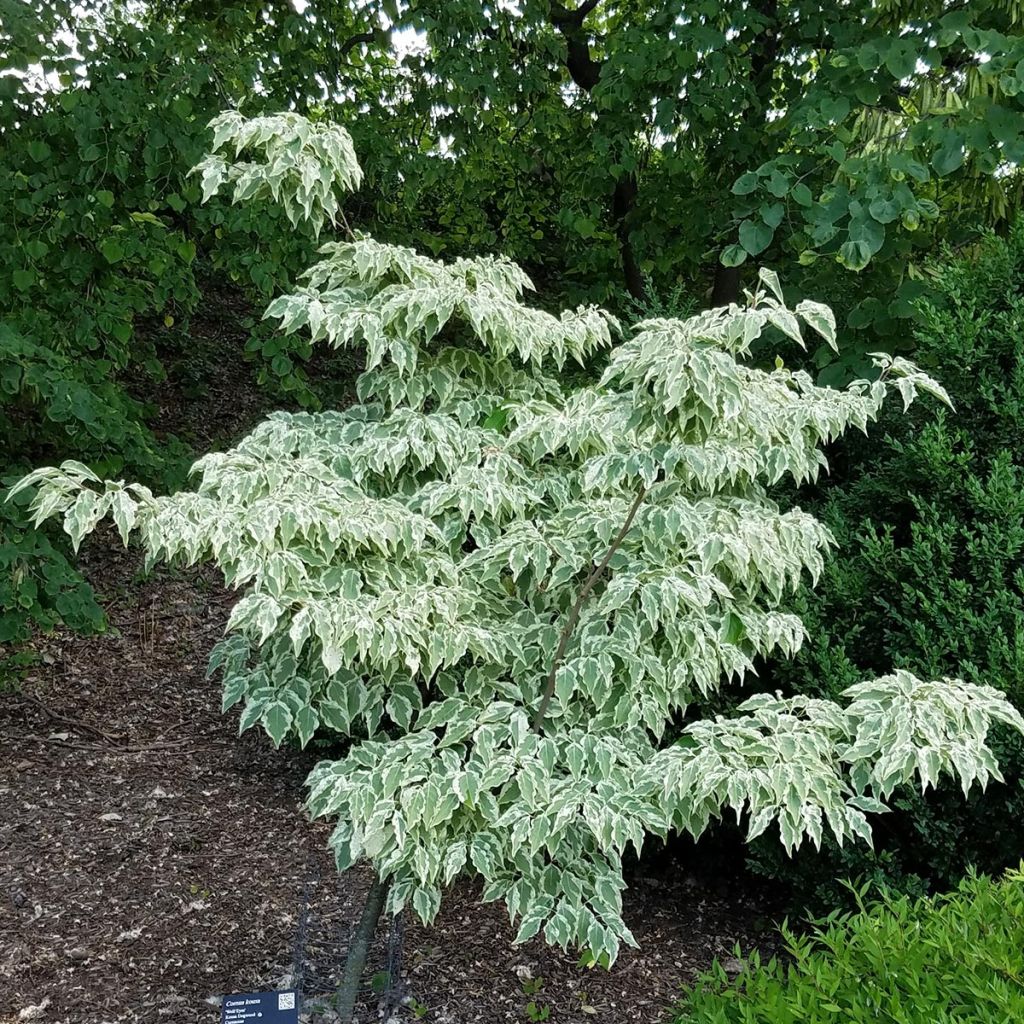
[{"x": 260, "y": 1008}]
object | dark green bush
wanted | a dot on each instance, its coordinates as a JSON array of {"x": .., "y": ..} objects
[
  {"x": 929, "y": 575},
  {"x": 100, "y": 228},
  {"x": 958, "y": 957}
]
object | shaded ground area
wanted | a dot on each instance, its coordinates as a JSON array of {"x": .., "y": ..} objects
[{"x": 150, "y": 859}]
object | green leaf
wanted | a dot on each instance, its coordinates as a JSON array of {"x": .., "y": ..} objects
[
  {"x": 745, "y": 184},
  {"x": 870, "y": 232},
  {"x": 950, "y": 156},
  {"x": 496, "y": 419},
  {"x": 733, "y": 255},
  {"x": 400, "y": 710},
  {"x": 306, "y": 723},
  {"x": 834, "y": 108},
  {"x": 885, "y": 211},
  {"x": 771, "y": 281},
  {"x": 277, "y": 720},
  {"x": 113, "y": 251},
  {"x": 901, "y": 58},
  {"x": 755, "y": 236},
  {"x": 855, "y": 255},
  {"x": 425, "y": 901},
  {"x": 772, "y": 214},
  {"x": 235, "y": 688},
  {"x": 802, "y": 195},
  {"x": 585, "y": 227},
  {"x": 837, "y": 151},
  {"x": 819, "y": 318},
  {"x": 732, "y": 630},
  {"x": 23, "y": 279}
]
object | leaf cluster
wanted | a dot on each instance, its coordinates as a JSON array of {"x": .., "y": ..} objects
[
  {"x": 100, "y": 240},
  {"x": 930, "y": 544}
]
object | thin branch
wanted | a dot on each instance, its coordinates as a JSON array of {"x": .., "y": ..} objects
[
  {"x": 74, "y": 723},
  {"x": 574, "y": 614},
  {"x": 585, "y": 8},
  {"x": 353, "y": 41}
]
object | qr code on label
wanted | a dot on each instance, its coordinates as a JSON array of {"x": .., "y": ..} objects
[{"x": 286, "y": 1001}]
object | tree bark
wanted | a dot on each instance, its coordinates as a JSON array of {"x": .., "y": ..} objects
[
  {"x": 726, "y": 287},
  {"x": 355, "y": 963},
  {"x": 586, "y": 72},
  {"x": 623, "y": 204},
  {"x": 764, "y": 55}
]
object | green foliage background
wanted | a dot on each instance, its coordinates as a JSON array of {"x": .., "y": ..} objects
[
  {"x": 100, "y": 240},
  {"x": 929, "y": 572}
]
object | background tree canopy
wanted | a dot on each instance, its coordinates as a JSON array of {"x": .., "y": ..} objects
[
  {"x": 680, "y": 133},
  {"x": 615, "y": 145}
]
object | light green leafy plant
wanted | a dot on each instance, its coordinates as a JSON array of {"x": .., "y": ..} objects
[
  {"x": 505, "y": 589},
  {"x": 953, "y": 957}
]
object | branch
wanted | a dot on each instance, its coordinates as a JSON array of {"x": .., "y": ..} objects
[
  {"x": 765, "y": 57},
  {"x": 377, "y": 35},
  {"x": 561, "y": 15},
  {"x": 74, "y": 723},
  {"x": 354, "y": 41},
  {"x": 585, "y": 8},
  {"x": 582, "y": 68},
  {"x": 574, "y": 614}
]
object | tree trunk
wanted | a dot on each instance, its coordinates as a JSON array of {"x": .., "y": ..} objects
[
  {"x": 585, "y": 71},
  {"x": 355, "y": 963},
  {"x": 623, "y": 201},
  {"x": 764, "y": 53},
  {"x": 574, "y": 613},
  {"x": 726, "y": 286}
]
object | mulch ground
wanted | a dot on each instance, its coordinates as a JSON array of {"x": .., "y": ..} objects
[{"x": 151, "y": 859}]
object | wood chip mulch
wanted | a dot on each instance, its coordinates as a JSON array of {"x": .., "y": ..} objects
[{"x": 150, "y": 859}]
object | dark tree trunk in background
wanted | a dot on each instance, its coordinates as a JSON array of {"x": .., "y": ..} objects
[
  {"x": 623, "y": 203},
  {"x": 586, "y": 72},
  {"x": 764, "y": 55},
  {"x": 726, "y": 286}
]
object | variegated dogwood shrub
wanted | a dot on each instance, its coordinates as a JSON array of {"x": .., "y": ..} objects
[{"x": 504, "y": 589}]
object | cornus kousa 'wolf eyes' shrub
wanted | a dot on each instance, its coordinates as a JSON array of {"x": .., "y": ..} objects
[{"x": 504, "y": 589}]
